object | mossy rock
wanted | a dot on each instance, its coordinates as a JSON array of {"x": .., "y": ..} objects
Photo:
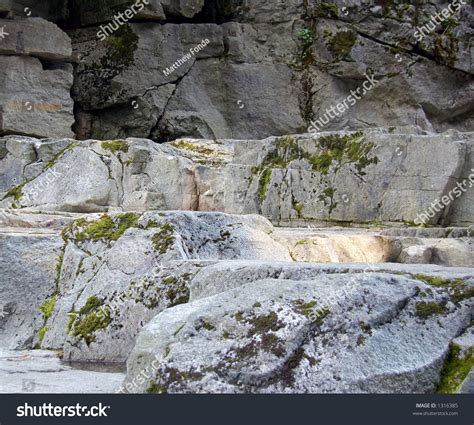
[
  {"x": 456, "y": 367},
  {"x": 115, "y": 146},
  {"x": 341, "y": 44},
  {"x": 106, "y": 228},
  {"x": 424, "y": 310},
  {"x": 91, "y": 318},
  {"x": 164, "y": 238}
]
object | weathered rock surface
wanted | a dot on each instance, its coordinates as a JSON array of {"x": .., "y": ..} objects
[
  {"x": 116, "y": 272},
  {"x": 286, "y": 336},
  {"x": 113, "y": 284},
  {"x": 35, "y": 76},
  {"x": 311, "y": 54},
  {"x": 359, "y": 177},
  {"x": 27, "y": 277},
  {"x": 267, "y": 69},
  {"x": 52, "y": 10},
  {"x": 27, "y": 37},
  {"x": 41, "y": 371},
  {"x": 35, "y": 101}
]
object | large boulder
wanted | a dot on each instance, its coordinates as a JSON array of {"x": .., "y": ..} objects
[
  {"x": 118, "y": 271},
  {"x": 383, "y": 333}
]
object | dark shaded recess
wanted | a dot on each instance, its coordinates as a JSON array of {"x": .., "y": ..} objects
[
  {"x": 220, "y": 11},
  {"x": 214, "y": 11}
]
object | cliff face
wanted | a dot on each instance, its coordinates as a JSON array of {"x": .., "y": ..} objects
[{"x": 266, "y": 69}]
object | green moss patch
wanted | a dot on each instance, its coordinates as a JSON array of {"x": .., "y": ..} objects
[
  {"x": 105, "y": 228},
  {"x": 41, "y": 333},
  {"x": 328, "y": 10},
  {"x": 58, "y": 156},
  {"x": 341, "y": 44},
  {"x": 90, "y": 318},
  {"x": 426, "y": 309},
  {"x": 200, "y": 149},
  {"x": 154, "y": 388},
  {"x": 46, "y": 310},
  {"x": 121, "y": 48},
  {"x": 115, "y": 146},
  {"x": 164, "y": 238},
  {"x": 457, "y": 288},
  {"x": 16, "y": 193},
  {"x": 47, "y": 307},
  {"x": 343, "y": 150},
  {"x": 304, "y": 308},
  {"x": 456, "y": 368}
]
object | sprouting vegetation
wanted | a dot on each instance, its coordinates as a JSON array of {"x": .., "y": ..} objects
[{"x": 306, "y": 37}]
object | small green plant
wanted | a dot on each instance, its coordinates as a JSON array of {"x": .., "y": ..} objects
[{"x": 306, "y": 37}]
